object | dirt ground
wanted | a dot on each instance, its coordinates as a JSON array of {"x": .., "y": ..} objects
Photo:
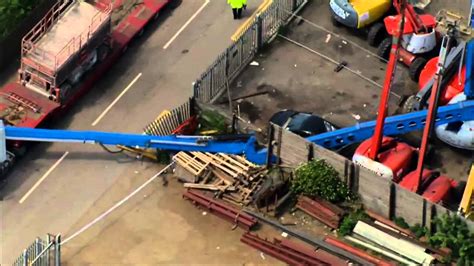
[
  {"x": 301, "y": 77},
  {"x": 157, "y": 222}
]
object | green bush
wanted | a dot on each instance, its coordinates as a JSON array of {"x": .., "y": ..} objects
[
  {"x": 419, "y": 230},
  {"x": 318, "y": 178},
  {"x": 12, "y": 12},
  {"x": 211, "y": 120},
  {"x": 350, "y": 221},
  {"x": 452, "y": 232},
  {"x": 401, "y": 222}
]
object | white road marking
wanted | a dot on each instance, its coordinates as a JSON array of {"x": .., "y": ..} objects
[
  {"x": 186, "y": 24},
  {"x": 116, "y": 100},
  {"x": 50, "y": 170}
]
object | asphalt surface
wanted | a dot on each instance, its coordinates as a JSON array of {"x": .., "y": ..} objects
[
  {"x": 81, "y": 185},
  {"x": 297, "y": 72},
  {"x": 86, "y": 172}
]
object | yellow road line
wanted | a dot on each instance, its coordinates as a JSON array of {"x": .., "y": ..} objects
[{"x": 263, "y": 6}]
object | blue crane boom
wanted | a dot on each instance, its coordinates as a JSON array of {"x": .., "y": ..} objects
[
  {"x": 241, "y": 144},
  {"x": 394, "y": 125}
]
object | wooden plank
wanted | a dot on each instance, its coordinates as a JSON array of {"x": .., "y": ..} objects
[
  {"x": 209, "y": 187},
  {"x": 222, "y": 176},
  {"x": 204, "y": 157},
  {"x": 187, "y": 167},
  {"x": 217, "y": 159},
  {"x": 234, "y": 161},
  {"x": 190, "y": 163}
]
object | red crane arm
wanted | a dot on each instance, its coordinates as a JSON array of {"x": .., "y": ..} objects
[
  {"x": 411, "y": 15},
  {"x": 432, "y": 110},
  {"x": 389, "y": 77}
]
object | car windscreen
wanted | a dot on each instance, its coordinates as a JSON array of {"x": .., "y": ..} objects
[{"x": 308, "y": 123}]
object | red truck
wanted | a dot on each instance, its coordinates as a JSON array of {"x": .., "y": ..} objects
[{"x": 62, "y": 57}]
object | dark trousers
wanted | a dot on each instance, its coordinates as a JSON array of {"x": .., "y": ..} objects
[{"x": 237, "y": 13}]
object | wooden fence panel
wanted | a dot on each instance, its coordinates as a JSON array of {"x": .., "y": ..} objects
[
  {"x": 377, "y": 194},
  {"x": 374, "y": 191},
  {"x": 408, "y": 205},
  {"x": 294, "y": 149}
]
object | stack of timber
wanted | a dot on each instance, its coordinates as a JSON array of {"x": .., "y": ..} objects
[{"x": 231, "y": 177}]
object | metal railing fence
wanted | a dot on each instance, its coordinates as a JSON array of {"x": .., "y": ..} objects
[
  {"x": 229, "y": 64},
  {"x": 41, "y": 253}
]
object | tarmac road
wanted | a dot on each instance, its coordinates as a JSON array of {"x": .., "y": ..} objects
[{"x": 84, "y": 173}]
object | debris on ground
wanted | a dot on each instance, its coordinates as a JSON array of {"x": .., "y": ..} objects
[
  {"x": 221, "y": 209},
  {"x": 232, "y": 178}
]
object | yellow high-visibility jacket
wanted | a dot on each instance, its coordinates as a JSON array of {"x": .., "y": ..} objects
[{"x": 236, "y": 3}]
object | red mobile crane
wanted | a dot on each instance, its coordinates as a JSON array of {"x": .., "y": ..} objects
[
  {"x": 426, "y": 182},
  {"x": 59, "y": 65},
  {"x": 418, "y": 41},
  {"x": 392, "y": 159},
  {"x": 384, "y": 155}
]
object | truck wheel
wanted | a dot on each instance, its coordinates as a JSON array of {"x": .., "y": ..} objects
[
  {"x": 335, "y": 23},
  {"x": 384, "y": 49},
  {"x": 376, "y": 34},
  {"x": 174, "y": 3},
  {"x": 416, "y": 67},
  {"x": 102, "y": 52},
  {"x": 19, "y": 151},
  {"x": 409, "y": 105}
]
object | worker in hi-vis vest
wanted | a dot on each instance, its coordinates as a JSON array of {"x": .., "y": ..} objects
[{"x": 237, "y": 6}]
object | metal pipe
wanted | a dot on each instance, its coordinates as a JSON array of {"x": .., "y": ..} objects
[
  {"x": 310, "y": 240},
  {"x": 379, "y": 250}
]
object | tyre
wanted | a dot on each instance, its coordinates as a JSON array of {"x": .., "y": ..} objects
[
  {"x": 102, "y": 52},
  {"x": 416, "y": 67},
  {"x": 19, "y": 151},
  {"x": 335, "y": 23},
  {"x": 174, "y": 3},
  {"x": 384, "y": 49},
  {"x": 156, "y": 16},
  {"x": 377, "y": 34},
  {"x": 409, "y": 104}
]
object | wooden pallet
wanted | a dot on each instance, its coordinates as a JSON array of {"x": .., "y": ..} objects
[
  {"x": 232, "y": 177},
  {"x": 191, "y": 163}
]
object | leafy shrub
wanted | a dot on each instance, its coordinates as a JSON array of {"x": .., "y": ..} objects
[
  {"x": 12, "y": 12},
  {"x": 350, "y": 221},
  {"x": 318, "y": 178},
  {"x": 401, "y": 222},
  {"x": 419, "y": 230},
  {"x": 452, "y": 232},
  {"x": 212, "y": 121}
]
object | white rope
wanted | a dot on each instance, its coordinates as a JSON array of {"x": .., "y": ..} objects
[
  {"x": 373, "y": 82},
  {"x": 118, "y": 204},
  {"x": 336, "y": 35}
]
